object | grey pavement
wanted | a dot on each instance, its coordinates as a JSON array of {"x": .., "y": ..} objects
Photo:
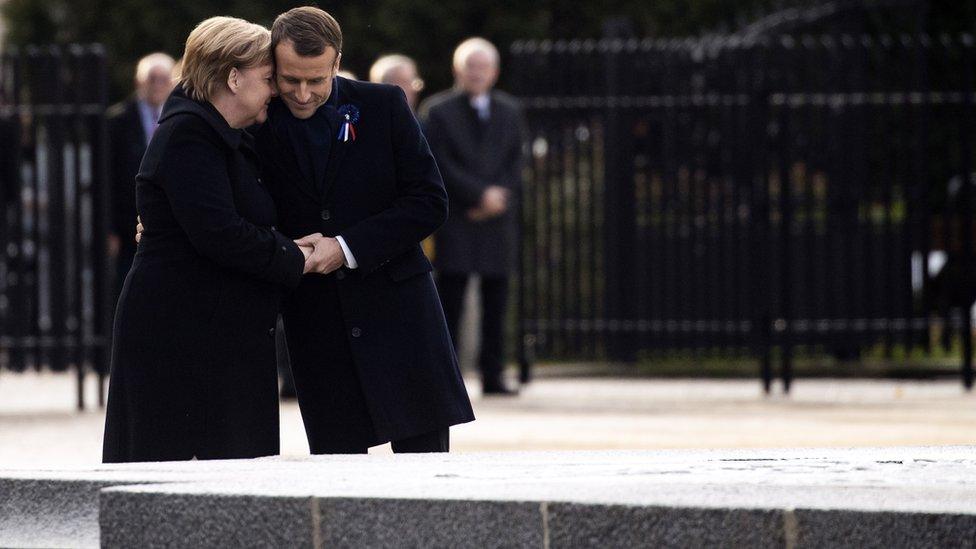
[{"x": 40, "y": 428}]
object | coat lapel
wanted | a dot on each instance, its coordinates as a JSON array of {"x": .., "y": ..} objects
[
  {"x": 492, "y": 137},
  {"x": 336, "y": 153},
  {"x": 339, "y": 148},
  {"x": 495, "y": 130}
]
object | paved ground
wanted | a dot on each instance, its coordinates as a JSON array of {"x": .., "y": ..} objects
[{"x": 39, "y": 426}]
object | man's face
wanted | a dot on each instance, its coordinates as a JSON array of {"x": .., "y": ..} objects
[
  {"x": 157, "y": 86},
  {"x": 304, "y": 83},
  {"x": 478, "y": 73}
]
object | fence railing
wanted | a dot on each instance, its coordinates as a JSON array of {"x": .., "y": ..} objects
[
  {"x": 752, "y": 197},
  {"x": 55, "y": 282}
]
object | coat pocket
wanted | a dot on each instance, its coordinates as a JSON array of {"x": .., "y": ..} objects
[{"x": 409, "y": 264}]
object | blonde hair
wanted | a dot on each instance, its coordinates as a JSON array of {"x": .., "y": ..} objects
[
  {"x": 473, "y": 45},
  {"x": 177, "y": 71},
  {"x": 150, "y": 62},
  {"x": 383, "y": 66},
  {"x": 216, "y": 46}
]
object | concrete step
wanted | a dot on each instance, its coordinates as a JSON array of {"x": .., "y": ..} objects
[{"x": 886, "y": 497}]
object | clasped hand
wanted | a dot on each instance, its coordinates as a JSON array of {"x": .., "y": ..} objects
[
  {"x": 323, "y": 254},
  {"x": 494, "y": 202}
]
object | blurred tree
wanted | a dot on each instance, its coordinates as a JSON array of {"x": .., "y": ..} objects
[{"x": 424, "y": 29}]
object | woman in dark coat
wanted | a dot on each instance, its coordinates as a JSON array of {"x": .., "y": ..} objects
[{"x": 193, "y": 358}]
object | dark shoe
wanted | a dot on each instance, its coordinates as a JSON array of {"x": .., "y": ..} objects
[{"x": 497, "y": 388}]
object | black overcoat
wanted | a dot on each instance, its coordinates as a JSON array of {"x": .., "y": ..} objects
[
  {"x": 383, "y": 194},
  {"x": 472, "y": 155},
  {"x": 127, "y": 144},
  {"x": 193, "y": 357}
]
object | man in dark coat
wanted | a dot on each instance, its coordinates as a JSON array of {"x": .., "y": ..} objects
[
  {"x": 370, "y": 350},
  {"x": 475, "y": 133},
  {"x": 130, "y": 125}
]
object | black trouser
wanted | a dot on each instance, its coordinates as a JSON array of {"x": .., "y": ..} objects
[
  {"x": 284, "y": 361},
  {"x": 436, "y": 441},
  {"x": 494, "y": 301}
]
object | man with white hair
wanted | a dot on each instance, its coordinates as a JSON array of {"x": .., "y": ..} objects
[
  {"x": 130, "y": 125},
  {"x": 476, "y": 135},
  {"x": 401, "y": 71}
]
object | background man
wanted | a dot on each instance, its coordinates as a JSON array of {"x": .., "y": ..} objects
[
  {"x": 475, "y": 133},
  {"x": 401, "y": 71}
]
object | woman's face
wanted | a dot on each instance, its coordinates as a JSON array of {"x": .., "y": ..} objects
[{"x": 256, "y": 91}]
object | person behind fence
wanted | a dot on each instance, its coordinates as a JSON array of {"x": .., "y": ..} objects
[
  {"x": 193, "y": 354},
  {"x": 370, "y": 349},
  {"x": 131, "y": 124},
  {"x": 475, "y": 132}
]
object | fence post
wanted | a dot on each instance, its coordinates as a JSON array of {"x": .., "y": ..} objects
[
  {"x": 966, "y": 208},
  {"x": 620, "y": 211},
  {"x": 105, "y": 287}
]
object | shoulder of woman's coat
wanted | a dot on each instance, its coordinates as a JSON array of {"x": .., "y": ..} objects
[
  {"x": 186, "y": 132},
  {"x": 190, "y": 127}
]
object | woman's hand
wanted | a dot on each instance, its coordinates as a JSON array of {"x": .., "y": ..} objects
[
  {"x": 306, "y": 252},
  {"x": 139, "y": 228}
]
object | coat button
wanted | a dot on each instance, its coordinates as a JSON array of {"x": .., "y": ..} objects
[
  {"x": 271, "y": 332},
  {"x": 326, "y": 215},
  {"x": 340, "y": 274},
  {"x": 356, "y": 332}
]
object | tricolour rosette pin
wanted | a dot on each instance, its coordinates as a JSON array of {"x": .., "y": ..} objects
[{"x": 350, "y": 116}]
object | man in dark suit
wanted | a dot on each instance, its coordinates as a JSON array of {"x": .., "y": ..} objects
[
  {"x": 131, "y": 124},
  {"x": 476, "y": 133},
  {"x": 370, "y": 350}
]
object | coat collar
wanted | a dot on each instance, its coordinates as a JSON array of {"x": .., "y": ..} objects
[{"x": 179, "y": 102}]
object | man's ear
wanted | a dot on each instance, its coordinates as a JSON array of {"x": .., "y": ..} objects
[
  {"x": 234, "y": 80},
  {"x": 338, "y": 62}
]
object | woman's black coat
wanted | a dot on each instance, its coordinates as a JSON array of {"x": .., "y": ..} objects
[{"x": 193, "y": 356}]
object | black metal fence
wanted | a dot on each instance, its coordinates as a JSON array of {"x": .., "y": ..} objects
[
  {"x": 751, "y": 197},
  {"x": 55, "y": 283}
]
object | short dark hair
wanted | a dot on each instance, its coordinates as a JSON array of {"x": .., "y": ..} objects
[{"x": 309, "y": 29}]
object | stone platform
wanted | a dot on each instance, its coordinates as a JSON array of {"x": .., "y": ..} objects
[{"x": 891, "y": 497}]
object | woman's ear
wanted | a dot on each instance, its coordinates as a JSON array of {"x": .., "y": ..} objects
[{"x": 234, "y": 80}]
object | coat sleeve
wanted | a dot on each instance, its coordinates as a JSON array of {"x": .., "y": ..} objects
[
  {"x": 195, "y": 177},
  {"x": 461, "y": 186},
  {"x": 420, "y": 206}
]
